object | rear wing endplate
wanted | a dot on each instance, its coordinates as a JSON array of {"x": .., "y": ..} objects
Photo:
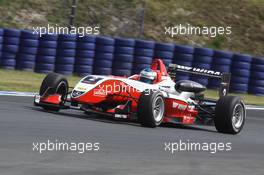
[{"x": 224, "y": 77}]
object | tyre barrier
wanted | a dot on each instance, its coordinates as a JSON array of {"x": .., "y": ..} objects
[
  {"x": 240, "y": 71},
  {"x": 183, "y": 55},
  {"x": 46, "y": 55},
  {"x": 222, "y": 61},
  {"x": 256, "y": 82},
  {"x": 143, "y": 55},
  {"x": 65, "y": 56},
  {"x": 68, "y": 54},
  {"x": 104, "y": 54},
  {"x": 28, "y": 48},
  {"x": 202, "y": 59},
  {"x": 1, "y": 43},
  {"x": 123, "y": 57},
  {"x": 85, "y": 52},
  {"x": 10, "y": 46},
  {"x": 164, "y": 51}
]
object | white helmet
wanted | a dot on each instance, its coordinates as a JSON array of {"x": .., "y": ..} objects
[{"x": 147, "y": 75}]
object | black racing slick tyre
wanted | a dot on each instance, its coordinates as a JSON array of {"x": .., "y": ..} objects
[
  {"x": 230, "y": 114},
  {"x": 151, "y": 108},
  {"x": 54, "y": 83}
]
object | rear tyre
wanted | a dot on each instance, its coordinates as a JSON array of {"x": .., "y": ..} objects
[
  {"x": 151, "y": 108},
  {"x": 230, "y": 115},
  {"x": 54, "y": 83}
]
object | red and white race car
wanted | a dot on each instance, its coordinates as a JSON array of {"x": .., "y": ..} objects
[{"x": 151, "y": 97}]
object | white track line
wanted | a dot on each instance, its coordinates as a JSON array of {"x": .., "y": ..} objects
[{"x": 32, "y": 94}]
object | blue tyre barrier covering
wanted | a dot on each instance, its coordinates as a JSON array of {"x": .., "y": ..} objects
[
  {"x": 47, "y": 51},
  {"x": 28, "y": 34},
  {"x": 222, "y": 54},
  {"x": 102, "y": 71},
  {"x": 65, "y": 60},
  {"x": 85, "y": 46},
  {"x": 124, "y": 42},
  {"x": 103, "y": 63},
  {"x": 242, "y": 58},
  {"x": 239, "y": 79},
  {"x": 10, "y": 47},
  {"x": 47, "y": 44},
  {"x": 122, "y": 72},
  {"x": 183, "y": 49},
  {"x": 104, "y": 48},
  {"x": 84, "y": 61},
  {"x": 104, "y": 54},
  {"x": 26, "y": 57},
  {"x": 66, "y": 45},
  {"x": 28, "y": 48},
  {"x": 25, "y": 65},
  {"x": 29, "y": 43},
  {"x": 222, "y": 61},
  {"x": 238, "y": 87},
  {"x": 1, "y": 43},
  {"x": 203, "y": 52},
  {"x": 44, "y": 68},
  {"x": 101, "y": 40},
  {"x": 67, "y": 37},
  {"x": 257, "y": 90},
  {"x": 123, "y": 57},
  {"x": 142, "y": 60},
  {"x": 124, "y": 50},
  {"x": 202, "y": 59},
  {"x": 11, "y": 40},
  {"x": 123, "y": 65},
  {"x": 240, "y": 72},
  {"x": 164, "y": 51},
  {"x": 164, "y": 47},
  {"x": 86, "y": 39},
  {"x": 49, "y": 37},
  {"x": 183, "y": 57},
  {"x": 45, "y": 59},
  {"x": 12, "y": 32},
  {"x": 85, "y": 53},
  {"x": 83, "y": 70},
  {"x": 143, "y": 55},
  {"x": 256, "y": 83},
  {"x": 145, "y": 44},
  {"x": 65, "y": 54}
]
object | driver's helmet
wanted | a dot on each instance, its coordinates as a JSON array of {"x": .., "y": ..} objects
[{"x": 147, "y": 75}]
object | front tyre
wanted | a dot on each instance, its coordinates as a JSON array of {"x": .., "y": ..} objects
[
  {"x": 151, "y": 108},
  {"x": 54, "y": 83},
  {"x": 230, "y": 115}
]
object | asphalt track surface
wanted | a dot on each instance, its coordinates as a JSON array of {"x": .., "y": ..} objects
[{"x": 125, "y": 148}]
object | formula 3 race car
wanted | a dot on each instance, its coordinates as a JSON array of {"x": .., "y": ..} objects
[{"x": 151, "y": 98}]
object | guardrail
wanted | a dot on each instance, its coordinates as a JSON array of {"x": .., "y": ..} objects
[{"x": 67, "y": 54}]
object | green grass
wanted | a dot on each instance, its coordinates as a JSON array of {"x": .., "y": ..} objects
[{"x": 24, "y": 81}]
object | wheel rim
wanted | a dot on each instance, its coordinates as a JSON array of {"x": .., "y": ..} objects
[
  {"x": 238, "y": 116},
  {"x": 62, "y": 90},
  {"x": 158, "y": 109}
]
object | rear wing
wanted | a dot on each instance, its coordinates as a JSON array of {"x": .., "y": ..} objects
[{"x": 224, "y": 77}]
